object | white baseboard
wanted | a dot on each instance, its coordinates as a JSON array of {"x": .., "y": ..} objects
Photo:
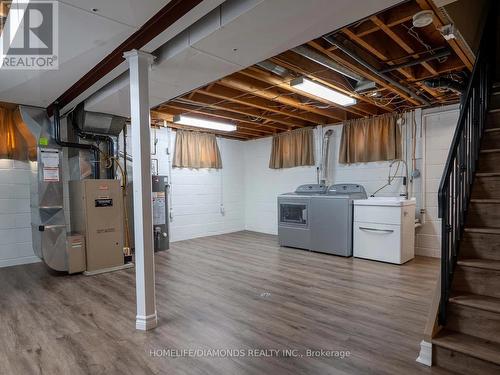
[
  {"x": 19, "y": 261},
  {"x": 425, "y": 355},
  {"x": 145, "y": 323}
]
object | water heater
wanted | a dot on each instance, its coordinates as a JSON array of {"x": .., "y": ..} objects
[{"x": 160, "y": 212}]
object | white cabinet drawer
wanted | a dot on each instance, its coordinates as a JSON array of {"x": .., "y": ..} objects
[
  {"x": 377, "y": 241},
  {"x": 378, "y": 214}
]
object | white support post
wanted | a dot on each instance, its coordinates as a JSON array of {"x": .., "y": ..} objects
[{"x": 139, "y": 65}]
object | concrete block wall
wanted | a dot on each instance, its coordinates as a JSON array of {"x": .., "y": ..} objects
[
  {"x": 203, "y": 202},
  {"x": 15, "y": 214},
  {"x": 246, "y": 188},
  {"x": 263, "y": 185}
]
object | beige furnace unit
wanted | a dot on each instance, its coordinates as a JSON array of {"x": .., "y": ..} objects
[{"x": 97, "y": 213}]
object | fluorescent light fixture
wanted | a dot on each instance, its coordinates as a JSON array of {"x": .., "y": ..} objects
[
  {"x": 313, "y": 88},
  {"x": 202, "y": 123}
]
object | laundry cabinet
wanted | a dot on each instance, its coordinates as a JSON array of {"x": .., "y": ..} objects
[{"x": 384, "y": 229}]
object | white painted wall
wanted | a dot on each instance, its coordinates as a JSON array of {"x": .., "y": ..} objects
[
  {"x": 246, "y": 187},
  {"x": 15, "y": 217},
  {"x": 263, "y": 185},
  {"x": 440, "y": 126},
  {"x": 197, "y": 195}
]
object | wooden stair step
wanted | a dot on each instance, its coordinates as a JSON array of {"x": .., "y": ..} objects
[
  {"x": 485, "y": 201},
  {"x": 490, "y": 151},
  {"x": 486, "y": 174},
  {"x": 489, "y": 159},
  {"x": 483, "y": 212},
  {"x": 475, "y": 347},
  {"x": 480, "y": 246},
  {"x": 477, "y": 276},
  {"x": 492, "y": 130},
  {"x": 477, "y": 301},
  {"x": 484, "y": 230},
  {"x": 491, "y": 138},
  {"x": 486, "y": 264}
]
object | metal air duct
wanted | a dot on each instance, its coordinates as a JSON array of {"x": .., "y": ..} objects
[
  {"x": 343, "y": 46},
  {"x": 48, "y": 223}
]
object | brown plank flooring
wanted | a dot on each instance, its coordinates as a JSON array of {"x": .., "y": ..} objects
[{"x": 233, "y": 291}]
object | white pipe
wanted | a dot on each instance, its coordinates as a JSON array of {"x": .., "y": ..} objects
[{"x": 170, "y": 183}]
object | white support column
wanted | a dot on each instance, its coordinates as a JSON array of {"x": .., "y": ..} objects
[{"x": 139, "y": 66}]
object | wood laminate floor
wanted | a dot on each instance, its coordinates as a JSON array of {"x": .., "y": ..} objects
[{"x": 238, "y": 291}]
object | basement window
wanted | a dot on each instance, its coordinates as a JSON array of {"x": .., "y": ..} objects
[
  {"x": 292, "y": 149},
  {"x": 196, "y": 150},
  {"x": 16, "y": 141}
]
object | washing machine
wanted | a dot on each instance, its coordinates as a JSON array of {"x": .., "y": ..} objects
[{"x": 319, "y": 218}]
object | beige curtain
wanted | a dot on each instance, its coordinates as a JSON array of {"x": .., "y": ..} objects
[
  {"x": 370, "y": 139},
  {"x": 16, "y": 141},
  {"x": 292, "y": 149},
  {"x": 196, "y": 150}
]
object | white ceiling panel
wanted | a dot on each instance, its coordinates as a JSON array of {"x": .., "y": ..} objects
[
  {"x": 238, "y": 34},
  {"x": 273, "y": 26},
  {"x": 191, "y": 68},
  {"x": 85, "y": 38},
  {"x": 188, "y": 68},
  {"x": 129, "y": 12}
]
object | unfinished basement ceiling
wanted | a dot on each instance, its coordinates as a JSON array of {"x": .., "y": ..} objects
[{"x": 382, "y": 61}]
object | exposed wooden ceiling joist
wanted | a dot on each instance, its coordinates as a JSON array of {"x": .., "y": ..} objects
[
  {"x": 225, "y": 115},
  {"x": 160, "y": 116},
  {"x": 392, "y": 17},
  {"x": 261, "y": 101},
  {"x": 353, "y": 66},
  {"x": 328, "y": 77},
  {"x": 428, "y": 5},
  {"x": 247, "y": 83},
  {"x": 203, "y": 100},
  {"x": 243, "y": 98},
  {"x": 285, "y": 84}
]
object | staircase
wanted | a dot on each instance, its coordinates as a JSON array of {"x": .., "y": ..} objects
[
  {"x": 468, "y": 338},
  {"x": 469, "y": 343}
]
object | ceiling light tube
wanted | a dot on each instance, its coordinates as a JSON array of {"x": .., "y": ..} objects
[
  {"x": 313, "y": 88},
  {"x": 203, "y": 123}
]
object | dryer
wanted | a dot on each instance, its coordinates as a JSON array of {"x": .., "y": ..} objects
[{"x": 318, "y": 218}]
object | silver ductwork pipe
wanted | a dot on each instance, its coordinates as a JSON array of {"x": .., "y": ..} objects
[
  {"x": 273, "y": 68},
  {"x": 318, "y": 58},
  {"x": 48, "y": 223},
  {"x": 342, "y": 46}
]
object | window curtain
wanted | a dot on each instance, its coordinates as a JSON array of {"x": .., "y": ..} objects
[
  {"x": 196, "y": 150},
  {"x": 292, "y": 149},
  {"x": 16, "y": 141},
  {"x": 370, "y": 139}
]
